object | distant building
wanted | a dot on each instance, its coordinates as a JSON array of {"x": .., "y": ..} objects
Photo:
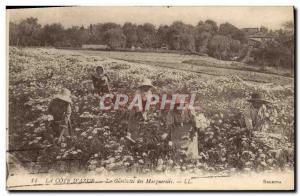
[
  {"x": 262, "y": 36},
  {"x": 254, "y": 43},
  {"x": 250, "y": 31},
  {"x": 95, "y": 46},
  {"x": 256, "y": 37}
]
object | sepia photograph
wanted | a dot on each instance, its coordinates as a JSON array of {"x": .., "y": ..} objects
[{"x": 177, "y": 98}]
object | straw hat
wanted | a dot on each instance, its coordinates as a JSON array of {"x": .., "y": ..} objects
[
  {"x": 65, "y": 95},
  {"x": 146, "y": 82},
  {"x": 256, "y": 97}
]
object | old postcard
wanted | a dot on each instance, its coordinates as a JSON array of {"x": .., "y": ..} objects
[{"x": 150, "y": 98}]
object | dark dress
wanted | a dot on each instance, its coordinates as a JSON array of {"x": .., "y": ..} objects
[
  {"x": 61, "y": 111},
  {"x": 100, "y": 84}
]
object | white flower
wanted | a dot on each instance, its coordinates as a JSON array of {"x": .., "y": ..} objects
[
  {"x": 164, "y": 136},
  {"x": 74, "y": 152},
  {"x": 141, "y": 161},
  {"x": 35, "y": 141},
  {"x": 95, "y": 131},
  {"x": 50, "y": 117},
  {"x": 160, "y": 162},
  {"x": 144, "y": 154}
]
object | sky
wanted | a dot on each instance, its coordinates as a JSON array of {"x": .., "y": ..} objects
[{"x": 270, "y": 17}]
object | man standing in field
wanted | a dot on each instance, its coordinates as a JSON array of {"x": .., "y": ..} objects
[
  {"x": 255, "y": 118},
  {"x": 60, "y": 109}
]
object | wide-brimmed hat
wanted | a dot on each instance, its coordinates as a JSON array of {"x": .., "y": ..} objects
[
  {"x": 65, "y": 95},
  {"x": 256, "y": 97},
  {"x": 146, "y": 82}
]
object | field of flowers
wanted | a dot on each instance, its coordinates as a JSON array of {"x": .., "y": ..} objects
[
  {"x": 99, "y": 146},
  {"x": 203, "y": 65}
]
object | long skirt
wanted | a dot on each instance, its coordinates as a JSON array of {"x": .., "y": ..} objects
[{"x": 185, "y": 142}]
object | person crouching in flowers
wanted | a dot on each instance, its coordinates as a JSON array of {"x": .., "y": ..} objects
[
  {"x": 183, "y": 132},
  {"x": 254, "y": 115},
  {"x": 60, "y": 109},
  {"x": 184, "y": 126},
  {"x": 100, "y": 81}
]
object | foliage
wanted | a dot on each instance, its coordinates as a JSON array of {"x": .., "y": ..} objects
[
  {"x": 99, "y": 143},
  {"x": 226, "y": 41},
  {"x": 146, "y": 35},
  {"x": 228, "y": 29},
  {"x": 130, "y": 31},
  {"x": 115, "y": 38}
]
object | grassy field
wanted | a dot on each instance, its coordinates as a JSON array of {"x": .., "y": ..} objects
[{"x": 203, "y": 65}]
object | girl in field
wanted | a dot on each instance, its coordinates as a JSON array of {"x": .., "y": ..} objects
[{"x": 100, "y": 81}]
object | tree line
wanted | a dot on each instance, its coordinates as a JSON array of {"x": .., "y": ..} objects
[{"x": 225, "y": 41}]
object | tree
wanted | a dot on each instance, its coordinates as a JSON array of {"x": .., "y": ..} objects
[
  {"x": 162, "y": 36},
  {"x": 272, "y": 54},
  {"x": 115, "y": 38},
  {"x": 187, "y": 42},
  {"x": 13, "y": 34},
  {"x": 203, "y": 33},
  {"x": 130, "y": 31},
  {"x": 53, "y": 34},
  {"x": 219, "y": 47},
  {"x": 181, "y": 37},
  {"x": 109, "y": 25},
  {"x": 286, "y": 35},
  {"x": 211, "y": 26},
  {"x": 75, "y": 36},
  {"x": 146, "y": 35},
  {"x": 95, "y": 34},
  {"x": 228, "y": 29},
  {"x": 28, "y": 32}
]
